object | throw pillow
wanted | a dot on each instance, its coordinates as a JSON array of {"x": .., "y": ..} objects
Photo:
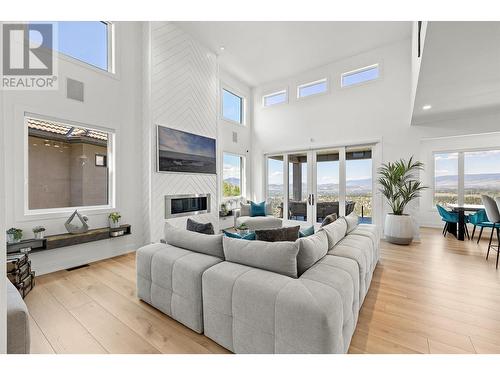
[
  {"x": 194, "y": 226},
  {"x": 249, "y": 236},
  {"x": 329, "y": 219},
  {"x": 279, "y": 234},
  {"x": 245, "y": 209},
  {"x": 311, "y": 249},
  {"x": 352, "y": 221},
  {"x": 279, "y": 257},
  {"x": 335, "y": 232},
  {"x": 258, "y": 209},
  {"x": 198, "y": 242},
  {"x": 306, "y": 232}
]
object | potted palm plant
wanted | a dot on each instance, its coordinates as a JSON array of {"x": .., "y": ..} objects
[{"x": 399, "y": 184}]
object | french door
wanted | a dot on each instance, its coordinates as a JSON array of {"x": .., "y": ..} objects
[{"x": 306, "y": 186}]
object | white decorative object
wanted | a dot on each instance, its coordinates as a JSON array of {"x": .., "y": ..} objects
[
  {"x": 398, "y": 229},
  {"x": 39, "y": 235},
  {"x": 75, "y": 229}
]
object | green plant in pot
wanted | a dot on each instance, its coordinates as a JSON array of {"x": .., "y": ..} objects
[
  {"x": 400, "y": 185},
  {"x": 14, "y": 235},
  {"x": 114, "y": 219},
  {"x": 39, "y": 232}
]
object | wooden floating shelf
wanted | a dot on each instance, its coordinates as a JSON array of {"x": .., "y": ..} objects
[{"x": 68, "y": 239}]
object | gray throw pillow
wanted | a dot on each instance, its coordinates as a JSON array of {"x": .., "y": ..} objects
[
  {"x": 335, "y": 232},
  {"x": 278, "y": 234},
  {"x": 210, "y": 244},
  {"x": 279, "y": 257},
  {"x": 245, "y": 209},
  {"x": 311, "y": 249},
  {"x": 352, "y": 221},
  {"x": 194, "y": 226},
  {"x": 329, "y": 219}
]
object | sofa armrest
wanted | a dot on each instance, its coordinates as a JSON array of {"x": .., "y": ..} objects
[{"x": 18, "y": 325}]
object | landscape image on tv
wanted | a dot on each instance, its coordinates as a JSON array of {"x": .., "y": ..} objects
[{"x": 180, "y": 151}]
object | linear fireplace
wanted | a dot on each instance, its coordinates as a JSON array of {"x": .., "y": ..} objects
[{"x": 186, "y": 205}]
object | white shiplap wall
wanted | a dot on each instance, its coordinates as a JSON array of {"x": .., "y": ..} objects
[{"x": 182, "y": 95}]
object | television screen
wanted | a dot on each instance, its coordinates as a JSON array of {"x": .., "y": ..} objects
[{"x": 180, "y": 151}]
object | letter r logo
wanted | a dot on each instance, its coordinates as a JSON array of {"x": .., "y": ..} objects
[{"x": 27, "y": 49}]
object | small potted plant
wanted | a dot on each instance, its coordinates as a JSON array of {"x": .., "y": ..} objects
[
  {"x": 14, "y": 235},
  {"x": 39, "y": 232},
  {"x": 223, "y": 210},
  {"x": 114, "y": 219}
]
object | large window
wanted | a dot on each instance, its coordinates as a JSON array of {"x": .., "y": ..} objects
[
  {"x": 233, "y": 172},
  {"x": 358, "y": 170},
  {"x": 463, "y": 176},
  {"x": 275, "y": 184},
  {"x": 359, "y": 76},
  {"x": 68, "y": 165},
  {"x": 86, "y": 41},
  {"x": 445, "y": 178},
  {"x": 232, "y": 107}
]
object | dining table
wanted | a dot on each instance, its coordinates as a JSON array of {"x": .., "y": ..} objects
[{"x": 461, "y": 209}]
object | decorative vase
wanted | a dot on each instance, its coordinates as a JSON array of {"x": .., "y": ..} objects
[
  {"x": 114, "y": 224},
  {"x": 398, "y": 229},
  {"x": 39, "y": 235},
  {"x": 12, "y": 239}
]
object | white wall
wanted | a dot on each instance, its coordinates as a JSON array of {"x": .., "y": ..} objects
[
  {"x": 3, "y": 302},
  {"x": 226, "y": 128},
  {"x": 375, "y": 110},
  {"x": 111, "y": 101},
  {"x": 181, "y": 93}
]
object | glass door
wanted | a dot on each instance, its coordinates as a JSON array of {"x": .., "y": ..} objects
[
  {"x": 358, "y": 172},
  {"x": 299, "y": 197},
  {"x": 327, "y": 178},
  {"x": 276, "y": 184}
]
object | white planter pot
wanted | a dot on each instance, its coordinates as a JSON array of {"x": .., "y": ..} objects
[
  {"x": 113, "y": 224},
  {"x": 398, "y": 229},
  {"x": 39, "y": 235}
]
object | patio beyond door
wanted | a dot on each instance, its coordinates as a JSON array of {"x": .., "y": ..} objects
[{"x": 305, "y": 187}]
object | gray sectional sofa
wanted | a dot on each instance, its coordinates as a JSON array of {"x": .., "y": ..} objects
[{"x": 264, "y": 297}]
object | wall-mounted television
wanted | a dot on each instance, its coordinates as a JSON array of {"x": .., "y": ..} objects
[{"x": 184, "y": 152}]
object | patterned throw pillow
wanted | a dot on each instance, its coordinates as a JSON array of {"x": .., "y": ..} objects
[
  {"x": 249, "y": 236},
  {"x": 279, "y": 234},
  {"x": 194, "y": 226},
  {"x": 329, "y": 219},
  {"x": 306, "y": 232}
]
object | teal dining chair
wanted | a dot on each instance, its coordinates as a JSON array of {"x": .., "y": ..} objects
[
  {"x": 479, "y": 219},
  {"x": 450, "y": 218}
]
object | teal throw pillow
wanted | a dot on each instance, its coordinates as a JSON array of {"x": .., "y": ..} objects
[
  {"x": 258, "y": 209},
  {"x": 306, "y": 232}
]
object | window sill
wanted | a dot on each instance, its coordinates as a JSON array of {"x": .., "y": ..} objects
[{"x": 47, "y": 214}]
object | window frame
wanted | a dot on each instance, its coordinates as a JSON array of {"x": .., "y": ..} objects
[
  {"x": 274, "y": 93},
  {"x": 312, "y": 83},
  {"x": 111, "y": 55},
  {"x": 63, "y": 211},
  {"x": 242, "y": 176},
  {"x": 243, "y": 105},
  {"x": 359, "y": 70}
]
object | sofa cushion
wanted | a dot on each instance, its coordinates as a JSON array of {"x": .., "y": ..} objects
[
  {"x": 311, "y": 249},
  {"x": 352, "y": 221},
  {"x": 306, "y": 231},
  {"x": 245, "y": 209},
  {"x": 279, "y": 257},
  {"x": 210, "y": 244},
  {"x": 169, "y": 278},
  {"x": 335, "y": 232},
  {"x": 279, "y": 234},
  {"x": 329, "y": 219},
  {"x": 194, "y": 226},
  {"x": 18, "y": 328},
  {"x": 257, "y": 209},
  {"x": 259, "y": 222}
]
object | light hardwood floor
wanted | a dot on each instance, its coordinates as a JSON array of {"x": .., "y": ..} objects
[{"x": 436, "y": 296}]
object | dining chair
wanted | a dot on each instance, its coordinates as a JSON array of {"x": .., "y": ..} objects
[
  {"x": 449, "y": 218},
  {"x": 479, "y": 219},
  {"x": 493, "y": 213}
]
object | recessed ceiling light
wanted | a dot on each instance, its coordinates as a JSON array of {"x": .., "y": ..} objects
[
  {"x": 222, "y": 48},
  {"x": 427, "y": 107}
]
